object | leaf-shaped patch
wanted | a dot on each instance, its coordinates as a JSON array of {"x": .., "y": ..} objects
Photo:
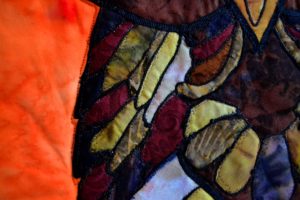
[
  {"x": 174, "y": 74},
  {"x": 194, "y": 91},
  {"x": 133, "y": 135},
  {"x": 128, "y": 55},
  {"x": 157, "y": 68},
  {"x": 108, "y": 137}
]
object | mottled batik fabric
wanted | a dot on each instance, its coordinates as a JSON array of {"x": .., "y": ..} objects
[{"x": 193, "y": 99}]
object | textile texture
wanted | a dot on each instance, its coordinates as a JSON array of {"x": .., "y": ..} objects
[
  {"x": 42, "y": 51},
  {"x": 195, "y": 99},
  {"x": 139, "y": 99}
]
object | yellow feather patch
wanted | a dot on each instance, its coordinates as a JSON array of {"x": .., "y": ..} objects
[
  {"x": 136, "y": 77},
  {"x": 131, "y": 138},
  {"x": 200, "y": 194},
  {"x": 293, "y": 135},
  {"x": 108, "y": 137},
  {"x": 128, "y": 55},
  {"x": 157, "y": 68},
  {"x": 235, "y": 171},
  {"x": 202, "y": 114}
]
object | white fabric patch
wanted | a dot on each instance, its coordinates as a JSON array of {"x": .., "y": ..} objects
[
  {"x": 169, "y": 183},
  {"x": 174, "y": 74}
]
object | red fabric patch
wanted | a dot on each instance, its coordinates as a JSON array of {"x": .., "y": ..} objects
[
  {"x": 106, "y": 107},
  {"x": 209, "y": 48},
  {"x": 101, "y": 53},
  {"x": 293, "y": 32},
  {"x": 167, "y": 131},
  {"x": 96, "y": 184}
]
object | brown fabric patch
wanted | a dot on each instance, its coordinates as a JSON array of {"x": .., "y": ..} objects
[
  {"x": 170, "y": 12},
  {"x": 292, "y": 4},
  {"x": 266, "y": 88},
  {"x": 296, "y": 195}
]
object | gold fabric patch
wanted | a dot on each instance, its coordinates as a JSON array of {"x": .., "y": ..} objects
[
  {"x": 108, "y": 137},
  {"x": 131, "y": 138},
  {"x": 293, "y": 140},
  {"x": 213, "y": 141},
  {"x": 137, "y": 76},
  {"x": 157, "y": 68},
  {"x": 128, "y": 55},
  {"x": 200, "y": 194},
  {"x": 235, "y": 171},
  {"x": 202, "y": 114}
]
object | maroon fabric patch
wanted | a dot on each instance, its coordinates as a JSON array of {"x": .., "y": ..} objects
[
  {"x": 293, "y": 32},
  {"x": 209, "y": 48},
  {"x": 167, "y": 131},
  {"x": 292, "y": 4},
  {"x": 101, "y": 53},
  {"x": 106, "y": 107},
  {"x": 96, "y": 184}
]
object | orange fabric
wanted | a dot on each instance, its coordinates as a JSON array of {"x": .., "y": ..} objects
[
  {"x": 42, "y": 49},
  {"x": 207, "y": 70}
]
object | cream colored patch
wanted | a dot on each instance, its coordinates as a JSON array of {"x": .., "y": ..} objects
[{"x": 288, "y": 43}]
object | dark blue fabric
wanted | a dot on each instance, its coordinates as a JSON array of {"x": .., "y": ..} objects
[
  {"x": 218, "y": 23},
  {"x": 273, "y": 177}
]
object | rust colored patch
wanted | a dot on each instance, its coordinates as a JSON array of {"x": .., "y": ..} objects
[{"x": 207, "y": 70}]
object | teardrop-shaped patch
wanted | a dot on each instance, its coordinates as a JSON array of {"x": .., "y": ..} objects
[
  {"x": 255, "y": 10},
  {"x": 258, "y": 14}
]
